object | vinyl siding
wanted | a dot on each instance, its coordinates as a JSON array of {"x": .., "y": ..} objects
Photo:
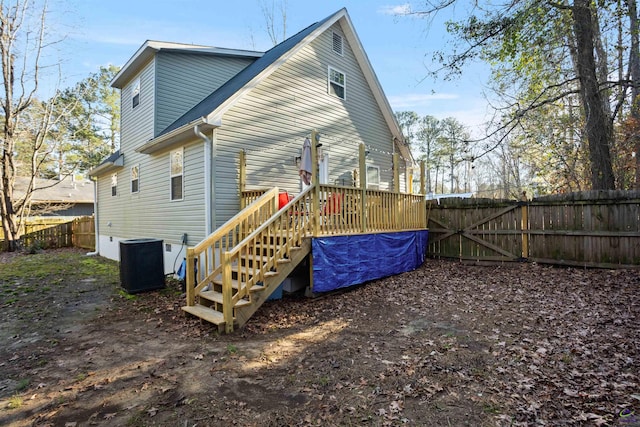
[
  {"x": 150, "y": 212},
  {"x": 137, "y": 123},
  {"x": 183, "y": 80},
  {"x": 272, "y": 121}
]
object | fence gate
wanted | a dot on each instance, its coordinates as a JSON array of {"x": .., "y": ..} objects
[
  {"x": 587, "y": 229},
  {"x": 469, "y": 230}
]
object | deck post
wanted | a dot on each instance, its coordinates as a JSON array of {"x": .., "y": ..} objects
[
  {"x": 396, "y": 172},
  {"x": 190, "y": 278},
  {"x": 396, "y": 189},
  {"x": 315, "y": 195},
  {"x": 227, "y": 307},
  {"x": 363, "y": 186},
  {"x": 422, "y": 177},
  {"x": 243, "y": 177}
]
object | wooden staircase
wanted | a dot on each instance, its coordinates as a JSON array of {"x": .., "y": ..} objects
[
  {"x": 210, "y": 300},
  {"x": 235, "y": 270}
]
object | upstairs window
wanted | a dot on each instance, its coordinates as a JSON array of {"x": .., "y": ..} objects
[
  {"x": 135, "y": 180},
  {"x": 337, "y": 83},
  {"x": 177, "y": 169},
  {"x": 135, "y": 93},
  {"x": 337, "y": 43},
  {"x": 114, "y": 184}
]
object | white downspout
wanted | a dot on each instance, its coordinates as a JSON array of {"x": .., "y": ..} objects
[
  {"x": 208, "y": 177},
  {"x": 96, "y": 228}
]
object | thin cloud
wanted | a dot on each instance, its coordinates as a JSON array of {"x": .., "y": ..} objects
[{"x": 400, "y": 9}]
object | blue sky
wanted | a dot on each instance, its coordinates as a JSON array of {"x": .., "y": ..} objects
[{"x": 100, "y": 32}]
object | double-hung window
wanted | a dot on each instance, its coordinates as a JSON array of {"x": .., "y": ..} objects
[
  {"x": 114, "y": 184},
  {"x": 337, "y": 83},
  {"x": 177, "y": 170},
  {"x": 135, "y": 93},
  {"x": 373, "y": 177},
  {"x": 135, "y": 178}
]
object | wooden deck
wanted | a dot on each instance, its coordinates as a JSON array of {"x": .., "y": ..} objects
[
  {"x": 234, "y": 270},
  {"x": 246, "y": 259}
]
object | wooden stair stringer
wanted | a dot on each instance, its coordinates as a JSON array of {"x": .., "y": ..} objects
[{"x": 271, "y": 283}]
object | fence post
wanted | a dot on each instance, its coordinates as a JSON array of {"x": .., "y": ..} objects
[{"x": 524, "y": 226}]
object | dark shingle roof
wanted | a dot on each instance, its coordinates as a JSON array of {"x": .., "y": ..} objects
[{"x": 224, "y": 92}]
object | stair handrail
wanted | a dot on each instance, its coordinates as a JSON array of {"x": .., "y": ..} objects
[
  {"x": 223, "y": 237},
  {"x": 283, "y": 230}
]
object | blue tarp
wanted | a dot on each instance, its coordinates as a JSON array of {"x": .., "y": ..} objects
[{"x": 343, "y": 261}]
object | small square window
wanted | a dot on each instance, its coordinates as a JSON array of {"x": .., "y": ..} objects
[
  {"x": 135, "y": 93},
  {"x": 135, "y": 179},
  {"x": 337, "y": 43},
  {"x": 114, "y": 184},
  {"x": 337, "y": 83}
]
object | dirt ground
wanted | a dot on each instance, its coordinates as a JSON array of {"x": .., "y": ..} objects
[{"x": 445, "y": 345}]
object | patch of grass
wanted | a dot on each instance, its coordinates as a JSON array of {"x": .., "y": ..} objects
[
  {"x": 22, "y": 384},
  {"x": 124, "y": 294},
  {"x": 489, "y": 408},
  {"x": 136, "y": 420},
  {"x": 57, "y": 267},
  {"x": 81, "y": 377},
  {"x": 11, "y": 301},
  {"x": 15, "y": 402},
  {"x": 232, "y": 349}
]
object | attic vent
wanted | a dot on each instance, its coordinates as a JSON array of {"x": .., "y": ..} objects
[{"x": 337, "y": 43}]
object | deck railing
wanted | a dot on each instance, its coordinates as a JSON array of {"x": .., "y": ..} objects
[
  {"x": 350, "y": 210},
  {"x": 204, "y": 260}
]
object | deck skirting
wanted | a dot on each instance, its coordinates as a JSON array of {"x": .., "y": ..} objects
[{"x": 342, "y": 261}]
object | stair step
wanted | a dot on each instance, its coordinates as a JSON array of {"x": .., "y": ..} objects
[
  {"x": 217, "y": 297},
  {"x": 205, "y": 313},
  {"x": 234, "y": 284}
]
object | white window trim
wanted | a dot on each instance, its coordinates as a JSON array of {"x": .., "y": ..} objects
[
  {"x": 137, "y": 179},
  {"x": 329, "y": 82},
  {"x": 333, "y": 34},
  {"x": 172, "y": 175},
  {"x": 373, "y": 185}
]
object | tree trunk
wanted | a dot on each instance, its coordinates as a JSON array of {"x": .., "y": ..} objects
[
  {"x": 634, "y": 68},
  {"x": 598, "y": 126}
]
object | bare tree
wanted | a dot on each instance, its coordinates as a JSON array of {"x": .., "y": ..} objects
[
  {"x": 277, "y": 31},
  {"x": 26, "y": 121}
]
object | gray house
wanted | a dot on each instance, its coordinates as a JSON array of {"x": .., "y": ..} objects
[{"x": 205, "y": 131}]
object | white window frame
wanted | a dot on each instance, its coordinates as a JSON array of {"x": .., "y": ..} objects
[
  {"x": 373, "y": 185},
  {"x": 334, "y": 37},
  {"x": 114, "y": 184},
  {"x": 331, "y": 81},
  {"x": 173, "y": 174},
  {"x": 135, "y": 91},
  {"x": 135, "y": 168}
]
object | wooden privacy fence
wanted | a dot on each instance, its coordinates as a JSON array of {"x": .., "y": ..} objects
[
  {"x": 592, "y": 229},
  {"x": 48, "y": 233}
]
